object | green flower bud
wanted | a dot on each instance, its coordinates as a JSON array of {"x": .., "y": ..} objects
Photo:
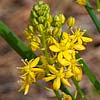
[
  {"x": 30, "y": 28},
  {"x": 56, "y": 31},
  {"x": 56, "y": 18},
  {"x": 34, "y": 21},
  {"x": 34, "y": 14},
  {"x": 47, "y": 24},
  {"x": 40, "y": 3},
  {"x": 58, "y": 24},
  {"x": 47, "y": 8},
  {"x": 40, "y": 12},
  {"x": 36, "y": 7},
  {"x": 41, "y": 19},
  {"x": 62, "y": 18},
  {"x": 40, "y": 27}
]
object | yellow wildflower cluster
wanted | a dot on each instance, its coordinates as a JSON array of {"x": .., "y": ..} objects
[{"x": 57, "y": 49}]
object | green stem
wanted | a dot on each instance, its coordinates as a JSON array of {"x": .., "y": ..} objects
[
  {"x": 89, "y": 73},
  {"x": 98, "y": 5},
  {"x": 44, "y": 46},
  {"x": 79, "y": 89},
  {"x": 66, "y": 91},
  {"x": 15, "y": 42},
  {"x": 57, "y": 95},
  {"x": 93, "y": 15}
]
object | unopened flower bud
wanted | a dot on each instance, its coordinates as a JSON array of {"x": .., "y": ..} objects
[
  {"x": 62, "y": 17},
  {"x": 47, "y": 24},
  {"x": 81, "y": 2},
  {"x": 34, "y": 21},
  {"x": 70, "y": 21},
  {"x": 41, "y": 19},
  {"x": 55, "y": 30},
  {"x": 36, "y": 7},
  {"x": 40, "y": 27},
  {"x": 56, "y": 18},
  {"x": 34, "y": 14}
]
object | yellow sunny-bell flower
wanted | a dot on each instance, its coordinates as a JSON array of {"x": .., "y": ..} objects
[
  {"x": 81, "y": 2},
  {"x": 58, "y": 76},
  {"x": 78, "y": 36},
  {"x": 28, "y": 74},
  {"x": 65, "y": 49}
]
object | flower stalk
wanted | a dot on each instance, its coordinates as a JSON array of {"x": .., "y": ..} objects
[
  {"x": 15, "y": 42},
  {"x": 98, "y": 5},
  {"x": 79, "y": 89},
  {"x": 93, "y": 15},
  {"x": 89, "y": 73}
]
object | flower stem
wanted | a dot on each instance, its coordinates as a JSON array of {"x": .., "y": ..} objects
[
  {"x": 65, "y": 90},
  {"x": 98, "y": 5},
  {"x": 93, "y": 15},
  {"x": 44, "y": 46},
  {"x": 57, "y": 95},
  {"x": 15, "y": 42},
  {"x": 79, "y": 89},
  {"x": 89, "y": 73}
]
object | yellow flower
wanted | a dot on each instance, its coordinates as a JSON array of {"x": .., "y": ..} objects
[
  {"x": 78, "y": 36},
  {"x": 66, "y": 97},
  {"x": 65, "y": 48},
  {"x": 28, "y": 74},
  {"x": 72, "y": 64},
  {"x": 70, "y": 21},
  {"x": 77, "y": 71},
  {"x": 82, "y": 2},
  {"x": 58, "y": 77}
]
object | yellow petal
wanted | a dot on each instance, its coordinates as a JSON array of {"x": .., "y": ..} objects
[
  {"x": 79, "y": 41},
  {"x": 54, "y": 48},
  {"x": 22, "y": 87},
  {"x": 67, "y": 55},
  {"x": 32, "y": 75},
  {"x": 55, "y": 42},
  {"x": 87, "y": 39},
  {"x": 49, "y": 78},
  {"x": 61, "y": 60},
  {"x": 56, "y": 83},
  {"x": 65, "y": 35},
  {"x": 37, "y": 70},
  {"x": 61, "y": 70},
  {"x": 65, "y": 81},
  {"x": 52, "y": 69},
  {"x": 26, "y": 89},
  {"x": 33, "y": 63},
  {"x": 79, "y": 47},
  {"x": 78, "y": 73},
  {"x": 68, "y": 74}
]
